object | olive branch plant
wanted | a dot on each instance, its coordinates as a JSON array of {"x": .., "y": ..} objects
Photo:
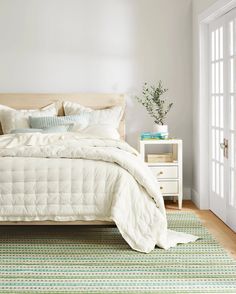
[{"x": 152, "y": 99}]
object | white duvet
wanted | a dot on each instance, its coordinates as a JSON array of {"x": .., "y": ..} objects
[{"x": 65, "y": 177}]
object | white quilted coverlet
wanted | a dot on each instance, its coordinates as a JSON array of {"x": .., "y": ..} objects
[{"x": 67, "y": 177}]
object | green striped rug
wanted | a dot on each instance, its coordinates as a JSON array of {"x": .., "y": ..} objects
[{"x": 90, "y": 259}]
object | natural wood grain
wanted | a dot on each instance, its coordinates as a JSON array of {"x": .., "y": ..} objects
[
  {"x": 92, "y": 100},
  {"x": 222, "y": 233}
]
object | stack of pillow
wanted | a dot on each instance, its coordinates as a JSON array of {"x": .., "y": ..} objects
[{"x": 100, "y": 123}]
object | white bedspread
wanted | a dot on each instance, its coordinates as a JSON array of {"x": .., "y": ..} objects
[{"x": 65, "y": 177}]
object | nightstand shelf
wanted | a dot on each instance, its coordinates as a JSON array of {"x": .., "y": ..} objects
[
  {"x": 169, "y": 174},
  {"x": 162, "y": 163}
]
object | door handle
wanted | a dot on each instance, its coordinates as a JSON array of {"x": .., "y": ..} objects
[{"x": 225, "y": 147}]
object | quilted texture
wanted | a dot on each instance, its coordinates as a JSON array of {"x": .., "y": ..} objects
[
  {"x": 56, "y": 189},
  {"x": 69, "y": 177}
]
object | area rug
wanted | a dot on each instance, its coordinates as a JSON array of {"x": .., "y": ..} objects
[{"x": 89, "y": 259}]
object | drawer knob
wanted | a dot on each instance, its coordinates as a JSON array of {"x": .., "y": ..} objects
[
  {"x": 161, "y": 188},
  {"x": 161, "y": 173}
]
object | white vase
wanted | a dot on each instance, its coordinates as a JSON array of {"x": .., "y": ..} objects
[{"x": 160, "y": 128}]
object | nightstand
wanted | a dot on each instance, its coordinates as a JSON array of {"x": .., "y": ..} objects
[{"x": 169, "y": 174}]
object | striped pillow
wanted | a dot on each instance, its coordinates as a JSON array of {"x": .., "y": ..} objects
[{"x": 49, "y": 121}]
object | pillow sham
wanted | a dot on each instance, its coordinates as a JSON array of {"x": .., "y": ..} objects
[
  {"x": 72, "y": 108},
  {"x": 108, "y": 116},
  {"x": 57, "y": 129},
  {"x": 12, "y": 119},
  {"x": 48, "y": 121}
]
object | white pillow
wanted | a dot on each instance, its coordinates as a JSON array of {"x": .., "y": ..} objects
[
  {"x": 12, "y": 119},
  {"x": 108, "y": 116},
  {"x": 71, "y": 108},
  {"x": 101, "y": 131}
]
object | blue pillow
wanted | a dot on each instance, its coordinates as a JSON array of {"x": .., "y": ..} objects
[{"x": 54, "y": 121}]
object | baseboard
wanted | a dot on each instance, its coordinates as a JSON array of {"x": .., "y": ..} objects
[
  {"x": 195, "y": 198},
  {"x": 187, "y": 193}
]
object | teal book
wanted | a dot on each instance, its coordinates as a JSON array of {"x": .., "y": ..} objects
[{"x": 153, "y": 136}]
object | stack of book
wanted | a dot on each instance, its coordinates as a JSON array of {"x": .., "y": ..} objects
[{"x": 153, "y": 136}]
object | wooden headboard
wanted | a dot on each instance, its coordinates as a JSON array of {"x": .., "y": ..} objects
[{"x": 95, "y": 101}]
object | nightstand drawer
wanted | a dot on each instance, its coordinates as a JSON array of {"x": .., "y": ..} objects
[
  {"x": 171, "y": 187},
  {"x": 165, "y": 172}
]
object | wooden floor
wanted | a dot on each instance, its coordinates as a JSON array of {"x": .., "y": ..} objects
[{"x": 225, "y": 236}]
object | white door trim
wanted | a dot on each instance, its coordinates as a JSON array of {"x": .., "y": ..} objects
[{"x": 216, "y": 10}]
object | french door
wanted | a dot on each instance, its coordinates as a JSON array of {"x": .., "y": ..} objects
[{"x": 222, "y": 133}]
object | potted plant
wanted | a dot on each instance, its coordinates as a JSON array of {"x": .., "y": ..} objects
[{"x": 156, "y": 105}]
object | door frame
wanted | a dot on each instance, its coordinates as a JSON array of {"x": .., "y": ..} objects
[{"x": 221, "y": 7}]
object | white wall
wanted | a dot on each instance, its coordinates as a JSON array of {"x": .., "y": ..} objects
[
  {"x": 198, "y": 7},
  {"x": 102, "y": 46}
]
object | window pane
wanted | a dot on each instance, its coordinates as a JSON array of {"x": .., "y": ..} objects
[
  {"x": 217, "y": 145},
  {"x": 213, "y": 46},
  {"x": 217, "y": 44},
  {"x": 213, "y": 79},
  {"x": 231, "y": 75},
  {"x": 231, "y": 38},
  {"x": 217, "y": 111},
  {"x": 221, "y": 111},
  {"x": 221, "y": 42},
  {"x": 213, "y": 144},
  {"x": 221, "y": 77},
  {"x": 217, "y": 78},
  {"x": 213, "y": 107}
]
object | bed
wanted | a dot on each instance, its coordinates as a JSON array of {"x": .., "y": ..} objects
[
  {"x": 73, "y": 179},
  {"x": 35, "y": 100}
]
